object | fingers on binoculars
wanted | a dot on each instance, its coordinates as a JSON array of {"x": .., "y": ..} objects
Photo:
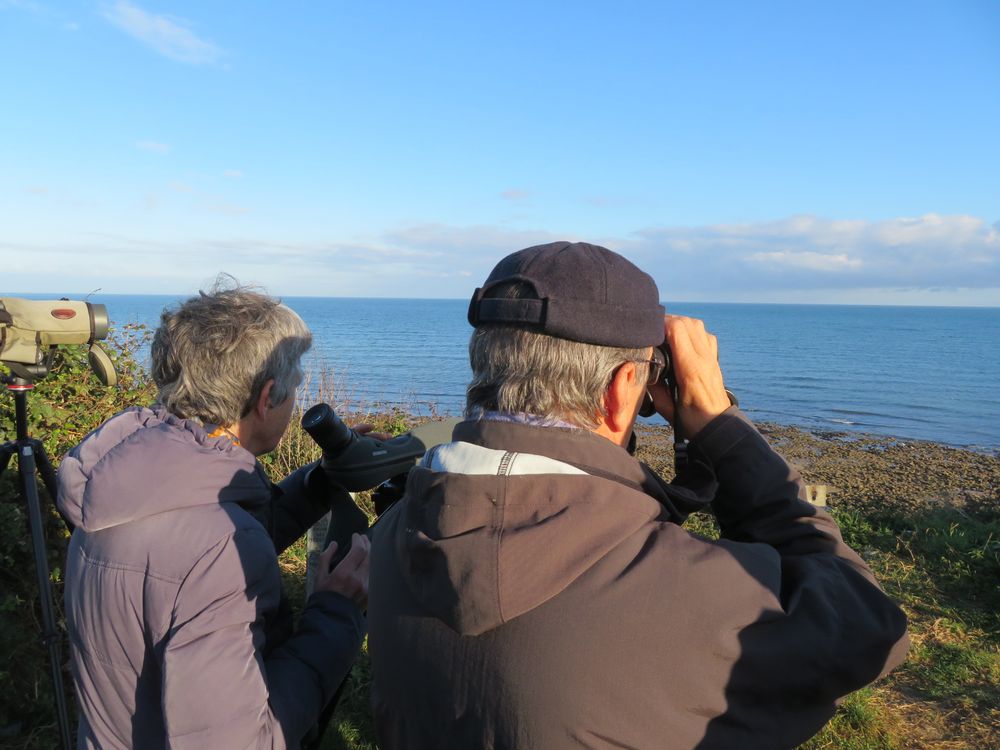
[{"x": 688, "y": 338}]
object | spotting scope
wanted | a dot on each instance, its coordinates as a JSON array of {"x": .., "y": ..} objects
[{"x": 30, "y": 329}]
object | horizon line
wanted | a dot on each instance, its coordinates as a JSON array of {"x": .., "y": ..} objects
[{"x": 179, "y": 295}]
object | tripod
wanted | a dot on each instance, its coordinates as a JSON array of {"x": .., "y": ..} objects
[{"x": 31, "y": 457}]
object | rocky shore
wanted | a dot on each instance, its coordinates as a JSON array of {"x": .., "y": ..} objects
[{"x": 869, "y": 472}]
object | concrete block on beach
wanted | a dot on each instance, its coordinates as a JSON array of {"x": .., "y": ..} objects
[{"x": 817, "y": 493}]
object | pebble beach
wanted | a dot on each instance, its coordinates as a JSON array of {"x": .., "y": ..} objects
[{"x": 868, "y": 472}]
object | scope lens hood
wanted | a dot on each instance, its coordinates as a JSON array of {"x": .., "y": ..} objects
[{"x": 98, "y": 321}]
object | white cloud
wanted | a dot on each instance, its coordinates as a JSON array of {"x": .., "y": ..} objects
[
  {"x": 809, "y": 260},
  {"x": 167, "y": 35},
  {"x": 234, "y": 173},
  {"x": 809, "y": 252},
  {"x": 153, "y": 146},
  {"x": 366, "y": 257},
  {"x": 932, "y": 259}
]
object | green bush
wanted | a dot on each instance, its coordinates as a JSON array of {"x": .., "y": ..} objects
[{"x": 62, "y": 409}]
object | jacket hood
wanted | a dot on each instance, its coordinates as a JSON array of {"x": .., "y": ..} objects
[
  {"x": 500, "y": 521},
  {"x": 146, "y": 461}
]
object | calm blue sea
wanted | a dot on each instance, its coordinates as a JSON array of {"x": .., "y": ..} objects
[{"x": 911, "y": 372}]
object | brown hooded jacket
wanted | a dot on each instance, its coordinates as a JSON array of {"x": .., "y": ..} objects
[{"x": 534, "y": 589}]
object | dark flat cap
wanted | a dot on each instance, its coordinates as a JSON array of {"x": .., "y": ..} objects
[{"x": 582, "y": 292}]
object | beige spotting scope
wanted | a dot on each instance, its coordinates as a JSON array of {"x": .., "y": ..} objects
[{"x": 31, "y": 329}]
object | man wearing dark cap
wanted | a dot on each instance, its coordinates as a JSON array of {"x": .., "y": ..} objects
[{"x": 535, "y": 588}]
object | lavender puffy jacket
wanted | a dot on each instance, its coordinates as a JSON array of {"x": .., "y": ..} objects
[{"x": 173, "y": 592}]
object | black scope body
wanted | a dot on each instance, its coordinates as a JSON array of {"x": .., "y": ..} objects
[{"x": 362, "y": 462}]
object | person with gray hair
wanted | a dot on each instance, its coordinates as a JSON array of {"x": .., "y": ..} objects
[
  {"x": 534, "y": 588},
  {"x": 179, "y": 630}
]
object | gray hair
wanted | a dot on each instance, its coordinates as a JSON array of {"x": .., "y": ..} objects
[
  {"x": 520, "y": 370},
  {"x": 213, "y": 354}
]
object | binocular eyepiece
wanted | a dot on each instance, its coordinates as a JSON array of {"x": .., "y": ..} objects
[{"x": 661, "y": 358}]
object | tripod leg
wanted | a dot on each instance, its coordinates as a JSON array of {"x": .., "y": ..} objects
[
  {"x": 48, "y": 475},
  {"x": 50, "y": 634},
  {"x": 45, "y": 470},
  {"x": 6, "y": 451}
]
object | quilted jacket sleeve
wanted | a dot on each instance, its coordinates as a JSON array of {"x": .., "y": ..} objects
[
  {"x": 219, "y": 689},
  {"x": 299, "y": 501}
]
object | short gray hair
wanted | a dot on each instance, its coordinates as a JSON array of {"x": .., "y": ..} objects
[
  {"x": 520, "y": 370},
  {"x": 213, "y": 354}
]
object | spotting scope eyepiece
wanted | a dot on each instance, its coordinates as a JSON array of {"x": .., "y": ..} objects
[
  {"x": 327, "y": 429},
  {"x": 358, "y": 462}
]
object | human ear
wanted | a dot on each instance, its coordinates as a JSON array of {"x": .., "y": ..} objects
[
  {"x": 264, "y": 399},
  {"x": 620, "y": 398}
]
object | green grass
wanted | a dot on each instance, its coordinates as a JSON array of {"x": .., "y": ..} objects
[
  {"x": 958, "y": 671},
  {"x": 858, "y": 725},
  {"x": 943, "y": 567},
  {"x": 352, "y": 727}
]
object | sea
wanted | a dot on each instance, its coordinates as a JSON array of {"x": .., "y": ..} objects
[{"x": 917, "y": 373}]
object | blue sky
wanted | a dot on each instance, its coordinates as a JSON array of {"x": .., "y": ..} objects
[{"x": 774, "y": 151}]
